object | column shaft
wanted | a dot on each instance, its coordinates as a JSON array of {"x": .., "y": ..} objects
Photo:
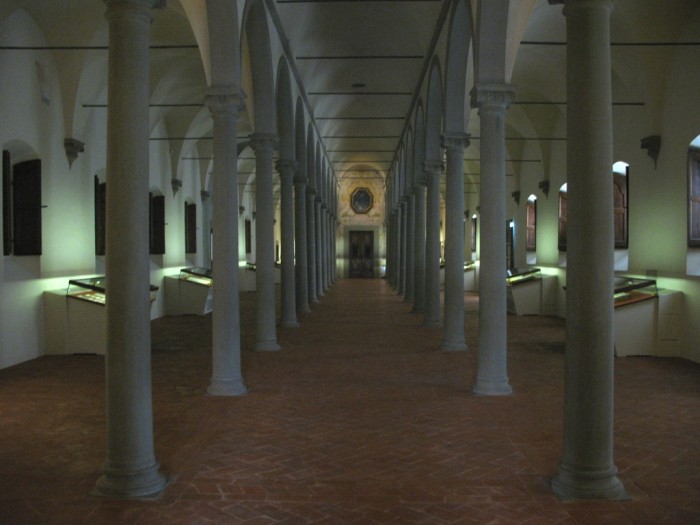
[
  {"x": 130, "y": 469},
  {"x": 311, "y": 243},
  {"x": 266, "y": 331},
  {"x": 403, "y": 254},
  {"x": 226, "y": 334},
  {"x": 453, "y": 338},
  {"x": 300, "y": 245},
  {"x": 286, "y": 169},
  {"x": 432, "y": 247},
  {"x": 587, "y": 469},
  {"x": 419, "y": 285},
  {"x": 319, "y": 248},
  {"x": 410, "y": 247},
  {"x": 492, "y": 374}
]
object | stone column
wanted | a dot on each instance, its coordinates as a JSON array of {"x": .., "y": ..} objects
[
  {"x": 326, "y": 246},
  {"x": 226, "y": 379},
  {"x": 311, "y": 243},
  {"x": 492, "y": 373},
  {"x": 130, "y": 469},
  {"x": 403, "y": 253},
  {"x": 319, "y": 248},
  {"x": 419, "y": 285},
  {"x": 300, "y": 244},
  {"x": 431, "y": 316},
  {"x": 453, "y": 338},
  {"x": 286, "y": 169},
  {"x": 398, "y": 231},
  {"x": 266, "y": 331},
  {"x": 410, "y": 247},
  {"x": 587, "y": 469}
]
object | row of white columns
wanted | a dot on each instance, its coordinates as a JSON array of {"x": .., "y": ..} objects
[{"x": 586, "y": 470}]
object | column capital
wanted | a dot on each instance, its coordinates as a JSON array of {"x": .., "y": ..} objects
[
  {"x": 454, "y": 141},
  {"x": 224, "y": 99},
  {"x": 263, "y": 141},
  {"x": 584, "y": 4},
  {"x": 492, "y": 96},
  {"x": 433, "y": 167},
  {"x": 286, "y": 167},
  {"x": 141, "y": 7}
]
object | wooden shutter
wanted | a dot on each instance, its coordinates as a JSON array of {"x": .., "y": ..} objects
[
  {"x": 157, "y": 224},
  {"x": 190, "y": 228},
  {"x": 562, "y": 221},
  {"x": 100, "y": 216},
  {"x": 6, "y": 203},
  {"x": 26, "y": 207}
]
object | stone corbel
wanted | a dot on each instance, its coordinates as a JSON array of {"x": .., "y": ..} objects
[
  {"x": 516, "y": 197},
  {"x": 73, "y": 147},
  {"x": 544, "y": 186},
  {"x": 176, "y": 185},
  {"x": 652, "y": 144},
  {"x": 204, "y": 195}
]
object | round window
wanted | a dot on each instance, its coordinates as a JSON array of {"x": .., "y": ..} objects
[{"x": 361, "y": 200}]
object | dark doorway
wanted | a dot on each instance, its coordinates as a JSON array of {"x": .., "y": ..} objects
[{"x": 362, "y": 254}]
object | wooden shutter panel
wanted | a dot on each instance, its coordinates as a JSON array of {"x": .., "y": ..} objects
[
  {"x": 6, "y": 203},
  {"x": 157, "y": 236},
  {"x": 190, "y": 228},
  {"x": 100, "y": 216},
  {"x": 26, "y": 207}
]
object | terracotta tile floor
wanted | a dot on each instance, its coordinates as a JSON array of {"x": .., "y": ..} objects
[{"x": 359, "y": 419}]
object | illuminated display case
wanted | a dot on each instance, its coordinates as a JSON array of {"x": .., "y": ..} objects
[
  {"x": 93, "y": 289},
  {"x": 630, "y": 290},
  {"x": 524, "y": 291},
  {"x": 189, "y": 292},
  {"x": 197, "y": 275},
  {"x": 522, "y": 275}
]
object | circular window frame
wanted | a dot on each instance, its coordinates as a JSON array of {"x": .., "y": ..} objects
[{"x": 360, "y": 208}]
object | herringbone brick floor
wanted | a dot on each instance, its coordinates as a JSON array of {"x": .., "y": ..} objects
[{"x": 359, "y": 419}]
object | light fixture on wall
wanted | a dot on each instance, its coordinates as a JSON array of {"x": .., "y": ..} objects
[
  {"x": 241, "y": 209},
  {"x": 204, "y": 195},
  {"x": 176, "y": 185},
  {"x": 516, "y": 197},
  {"x": 544, "y": 186}
]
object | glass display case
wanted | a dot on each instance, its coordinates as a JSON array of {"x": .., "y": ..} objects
[
  {"x": 92, "y": 289},
  {"x": 522, "y": 275},
  {"x": 633, "y": 289},
  {"x": 197, "y": 275}
]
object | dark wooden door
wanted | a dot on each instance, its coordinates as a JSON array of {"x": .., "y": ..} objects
[{"x": 361, "y": 254}]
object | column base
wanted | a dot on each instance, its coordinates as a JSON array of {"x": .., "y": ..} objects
[
  {"x": 572, "y": 484},
  {"x": 227, "y": 387},
  {"x": 453, "y": 346},
  {"x": 488, "y": 387},
  {"x": 267, "y": 346},
  {"x": 146, "y": 483},
  {"x": 289, "y": 324}
]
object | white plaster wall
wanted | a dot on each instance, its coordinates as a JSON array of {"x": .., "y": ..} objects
[{"x": 28, "y": 120}]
